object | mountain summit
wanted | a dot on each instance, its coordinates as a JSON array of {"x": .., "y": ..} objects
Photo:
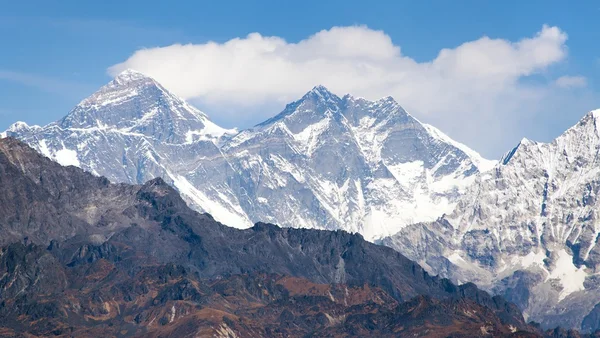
[
  {"x": 324, "y": 162},
  {"x": 136, "y": 103},
  {"x": 528, "y": 230},
  {"x": 363, "y": 166}
]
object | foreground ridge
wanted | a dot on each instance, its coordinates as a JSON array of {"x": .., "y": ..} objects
[{"x": 135, "y": 260}]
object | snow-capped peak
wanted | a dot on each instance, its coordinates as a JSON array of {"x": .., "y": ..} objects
[
  {"x": 125, "y": 85},
  {"x": 529, "y": 228},
  {"x": 322, "y": 94},
  {"x": 595, "y": 113},
  {"x": 316, "y": 102},
  {"x": 19, "y": 126},
  {"x": 130, "y": 75},
  {"x": 324, "y": 161},
  {"x": 321, "y": 90},
  {"x": 507, "y": 157},
  {"x": 367, "y": 166},
  {"x": 387, "y": 99},
  {"x": 135, "y": 103},
  {"x": 482, "y": 164}
]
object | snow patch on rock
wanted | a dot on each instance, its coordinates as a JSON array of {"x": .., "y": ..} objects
[{"x": 67, "y": 157}]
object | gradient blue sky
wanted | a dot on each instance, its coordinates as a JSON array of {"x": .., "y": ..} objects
[{"x": 55, "y": 53}]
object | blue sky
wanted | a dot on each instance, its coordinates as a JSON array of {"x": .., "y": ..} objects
[{"x": 55, "y": 53}]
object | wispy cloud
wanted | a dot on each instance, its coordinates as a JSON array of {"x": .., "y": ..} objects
[{"x": 568, "y": 81}]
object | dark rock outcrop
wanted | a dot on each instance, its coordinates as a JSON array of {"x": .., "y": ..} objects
[{"x": 102, "y": 257}]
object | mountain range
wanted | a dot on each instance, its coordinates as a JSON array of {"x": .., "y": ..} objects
[
  {"x": 324, "y": 162},
  {"x": 528, "y": 230},
  {"x": 86, "y": 257},
  {"x": 524, "y": 227}
]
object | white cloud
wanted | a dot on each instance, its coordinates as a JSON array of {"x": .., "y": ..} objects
[
  {"x": 473, "y": 92},
  {"x": 571, "y": 81}
]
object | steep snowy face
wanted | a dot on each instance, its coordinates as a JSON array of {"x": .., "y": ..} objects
[
  {"x": 324, "y": 162},
  {"x": 348, "y": 163},
  {"x": 135, "y": 103},
  {"x": 133, "y": 130},
  {"x": 529, "y": 229}
]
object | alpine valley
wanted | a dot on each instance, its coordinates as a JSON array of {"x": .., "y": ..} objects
[{"x": 524, "y": 228}]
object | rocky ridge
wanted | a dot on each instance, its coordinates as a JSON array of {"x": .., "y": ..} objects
[{"x": 140, "y": 262}]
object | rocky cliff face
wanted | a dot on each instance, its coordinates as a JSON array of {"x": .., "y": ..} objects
[
  {"x": 105, "y": 296},
  {"x": 152, "y": 218},
  {"x": 325, "y": 162},
  {"x": 528, "y": 229},
  {"x": 140, "y": 262}
]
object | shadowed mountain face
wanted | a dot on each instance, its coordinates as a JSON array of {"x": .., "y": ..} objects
[
  {"x": 92, "y": 296},
  {"x": 132, "y": 260}
]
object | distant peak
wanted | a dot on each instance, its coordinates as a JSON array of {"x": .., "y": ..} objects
[
  {"x": 319, "y": 96},
  {"x": 131, "y": 75},
  {"x": 525, "y": 141},
  {"x": 131, "y": 72},
  {"x": 134, "y": 100},
  {"x": 390, "y": 102},
  {"x": 321, "y": 90},
  {"x": 387, "y": 99},
  {"x": 508, "y": 156},
  {"x": 18, "y": 125},
  {"x": 595, "y": 113},
  {"x": 119, "y": 89},
  {"x": 322, "y": 94}
]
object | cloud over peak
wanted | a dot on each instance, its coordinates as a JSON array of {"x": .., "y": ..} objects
[{"x": 474, "y": 81}]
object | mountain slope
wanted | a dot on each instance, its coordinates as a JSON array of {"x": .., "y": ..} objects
[
  {"x": 113, "y": 214},
  {"x": 348, "y": 163},
  {"x": 325, "y": 162},
  {"x": 528, "y": 229},
  {"x": 103, "y": 298},
  {"x": 133, "y": 130},
  {"x": 142, "y": 259}
]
